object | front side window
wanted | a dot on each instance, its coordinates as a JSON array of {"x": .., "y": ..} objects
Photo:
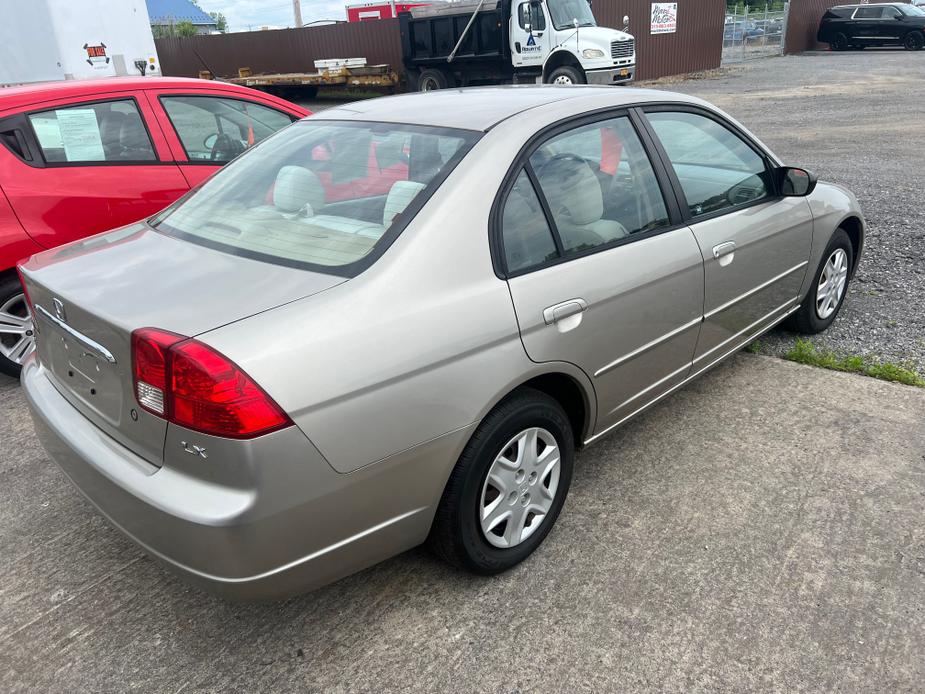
[
  {"x": 566, "y": 13},
  {"x": 599, "y": 185},
  {"x": 532, "y": 14},
  {"x": 109, "y": 131},
  {"x": 321, "y": 194},
  {"x": 216, "y": 130},
  {"x": 716, "y": 168}
]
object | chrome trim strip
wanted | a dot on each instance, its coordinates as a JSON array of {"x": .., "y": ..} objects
[
  {"x": 686, "y": 380},
  {"x": 80, "y": 337},
  {"x": 753, "y": 290},
  {"x": 646, "y": 347},
  {"x": 745, "y": 329},
  {"x": 654, "y": 385}
]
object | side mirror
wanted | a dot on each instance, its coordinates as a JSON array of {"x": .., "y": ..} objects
[
  {"x": 626, "y": 21},
  {"x": 795, "y": 183},
  {"x": 528, "y": 29}
]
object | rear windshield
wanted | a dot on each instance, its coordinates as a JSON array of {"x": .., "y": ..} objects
[{"x": 325, "y": 195}]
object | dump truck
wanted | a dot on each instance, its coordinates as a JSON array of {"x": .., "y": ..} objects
[{"x": 449, "y": 44}]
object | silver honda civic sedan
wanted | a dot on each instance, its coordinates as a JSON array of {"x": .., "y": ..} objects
[{"x": 395, "y": 322}]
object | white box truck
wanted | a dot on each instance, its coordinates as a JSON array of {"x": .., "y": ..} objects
[{"x": 44, "y": 40}]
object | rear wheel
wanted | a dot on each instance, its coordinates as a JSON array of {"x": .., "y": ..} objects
[
  {"x": 830, "y": 285},
  {"x": 839, "y": 42},
  {"x": 566, "y": 74},
  {"x": 17, "y": 338},
  {"x": 914, "y": 40},
  {"x": 508, "y": 487},
  {"x": 431, "y": 80}
]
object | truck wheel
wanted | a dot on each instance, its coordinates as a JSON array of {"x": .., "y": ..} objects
[
  {"x": 566, "y": 75},
  {"x": 839, "y": 43},
  {"x": 914, "y": 41},
  {"x": 431, "y": 80}
]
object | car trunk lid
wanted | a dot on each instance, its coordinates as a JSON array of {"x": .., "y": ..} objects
[{"x": 89, "y": 296}]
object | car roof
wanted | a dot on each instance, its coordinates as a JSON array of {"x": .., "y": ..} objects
[
  {"x": 26, "y": 95},
  {"x": 481, "y": 108},
  {"x": 867, "y": 4}
]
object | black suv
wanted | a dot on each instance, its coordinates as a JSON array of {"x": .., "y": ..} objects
[{"x": 859, "y": 26}]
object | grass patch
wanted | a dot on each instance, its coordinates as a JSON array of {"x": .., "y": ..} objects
[
  {"x": 805, "y": 352},
  {"x": 753, "y": 347}
]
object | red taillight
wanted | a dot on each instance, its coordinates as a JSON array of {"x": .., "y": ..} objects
[{"x": 190, "y": 384}]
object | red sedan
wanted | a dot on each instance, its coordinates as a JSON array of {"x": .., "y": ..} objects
[{"x": 82, "y": 157}]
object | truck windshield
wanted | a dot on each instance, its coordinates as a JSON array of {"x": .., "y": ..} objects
[
  {"x": 910, "y": 10},
  {"x": 323, "y": 195},
  {"x": 565, "y": 12}
]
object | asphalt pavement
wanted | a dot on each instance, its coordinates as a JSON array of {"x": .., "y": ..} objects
[{"x": 760, "y": 530}]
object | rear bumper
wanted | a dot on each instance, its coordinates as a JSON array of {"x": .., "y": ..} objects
[
  {"x": 611, "y": 75},
  {"x": 284, "y": 523}
]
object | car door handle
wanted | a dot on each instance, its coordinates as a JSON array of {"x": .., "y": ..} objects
[
  {"x": 724, "y": 252},
  {"x": 561, "y": 311}
]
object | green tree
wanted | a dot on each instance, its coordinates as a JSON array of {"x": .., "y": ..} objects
[
  {"x": 220, "y": 22},
  {"x": 173, "y": 29}
]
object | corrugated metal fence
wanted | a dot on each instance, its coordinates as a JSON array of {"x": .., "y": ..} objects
[
  {"x": 803, "y": 23},
  {"x": 695, "y": 46},
  {"x": 280, "y": 50}
]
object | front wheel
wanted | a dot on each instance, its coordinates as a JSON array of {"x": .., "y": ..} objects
[
  {"x": 830, "y": 285},
  {"x": 17, "y": 338},
  {"x": 566, "y": 75},
  {"x": 508, "y": 487},
  {"x": 839, "y": 43},
  {"x": 914, "y": 40}
]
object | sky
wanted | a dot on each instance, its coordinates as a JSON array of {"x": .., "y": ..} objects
[{"x": 244, "y": 14}]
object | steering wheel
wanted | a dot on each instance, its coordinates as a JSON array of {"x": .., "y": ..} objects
[{"x": 225, "y": 148}]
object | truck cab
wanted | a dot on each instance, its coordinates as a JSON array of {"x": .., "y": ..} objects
[{"x": 447, "y": 44}]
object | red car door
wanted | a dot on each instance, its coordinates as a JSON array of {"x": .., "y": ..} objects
[
  {"x": 207, "y": 128},
  {"x": 88, "y": 165}
]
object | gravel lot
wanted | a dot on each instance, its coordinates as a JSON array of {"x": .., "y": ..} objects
[{"x": 856, "y": 119}]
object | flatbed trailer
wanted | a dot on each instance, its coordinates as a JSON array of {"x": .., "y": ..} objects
[{"x": 331, "y": 73}]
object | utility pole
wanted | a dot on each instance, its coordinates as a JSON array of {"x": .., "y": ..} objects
[{"x": 297, "y": 10}]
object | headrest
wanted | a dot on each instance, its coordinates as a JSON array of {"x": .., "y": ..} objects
[
  {"x": 572, "y": 190},
  {"x": 400, "y": 196},
  {"x": 297, "y": 187},
  {"x": 132, "y": 134}
]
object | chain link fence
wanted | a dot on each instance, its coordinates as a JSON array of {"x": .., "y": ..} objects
[{"x": 753, "y": 33}]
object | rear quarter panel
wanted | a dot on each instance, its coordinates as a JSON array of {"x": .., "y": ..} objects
[{"x": 15, "y": 243}]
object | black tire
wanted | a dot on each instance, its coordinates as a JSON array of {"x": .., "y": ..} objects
[
  {"x": 13, "y": 301},
  {"x": 456, "y": 535},
  {"x": 566, "y": 72},
  {"x": 806, "y": 319},
  {"x": 839, "y": 42},
  {"x": 913, "y": 41},
  {"x": 431, "y": 80}
]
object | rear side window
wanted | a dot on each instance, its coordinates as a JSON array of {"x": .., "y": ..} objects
[
  {"x": 868, "y": 13},
  {"x": 321, "y": 194},
  {"x": 109, "y": 131},
  {"x": 525, "y": 233},
  {"x": 716, "y": 168},
  {"x": 216, "y": 130}
]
